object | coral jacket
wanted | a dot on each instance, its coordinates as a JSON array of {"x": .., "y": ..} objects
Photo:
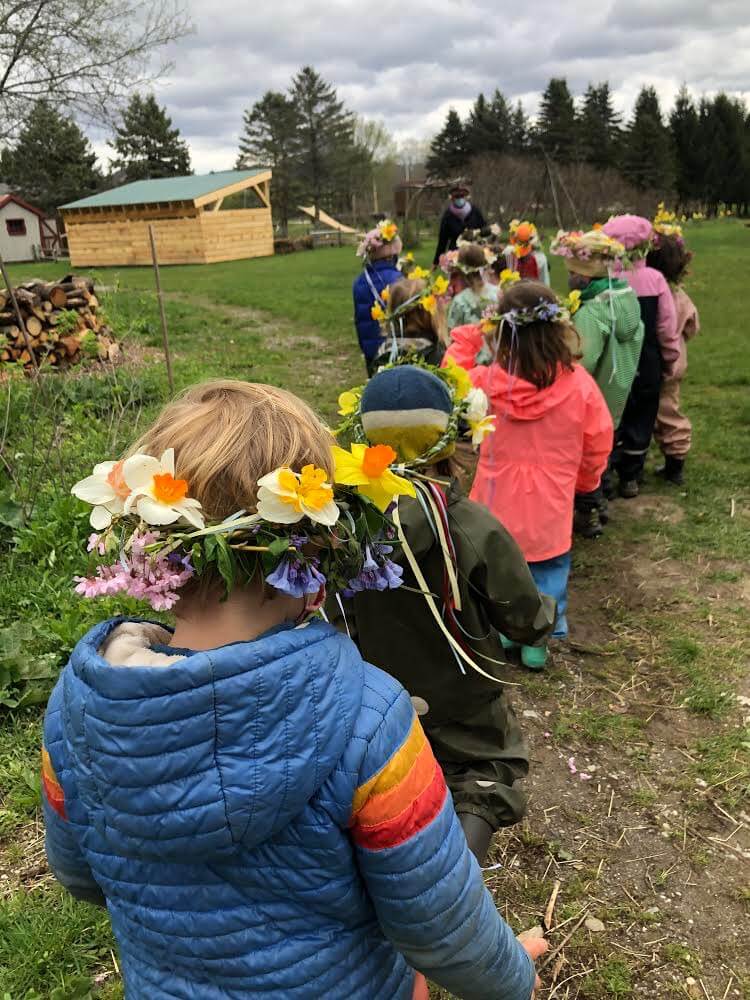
[{"x": 548, "y": 444}]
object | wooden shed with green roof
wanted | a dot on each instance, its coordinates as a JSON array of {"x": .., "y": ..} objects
[{"x": 197, "y": 220}]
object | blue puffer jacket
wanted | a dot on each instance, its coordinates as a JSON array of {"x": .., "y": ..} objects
[
  {"x": 242, "y": 811},
  {"x": 381, "y": 273}
]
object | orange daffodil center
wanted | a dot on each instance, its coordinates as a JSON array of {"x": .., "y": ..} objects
[
  {"x": 367, "y": 469},
  {"x": 116, "y": 481},
  {"x": 169, "y": 490},
  {"x": 308, "y": 490}
]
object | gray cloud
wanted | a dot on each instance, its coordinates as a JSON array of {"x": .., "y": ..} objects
[{"x": 407, "y": 64}]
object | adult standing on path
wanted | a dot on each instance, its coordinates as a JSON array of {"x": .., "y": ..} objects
[{"x": 459, "y": 216}]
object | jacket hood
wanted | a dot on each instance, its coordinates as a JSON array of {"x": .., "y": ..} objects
[
  {"x": 624, "y": 309},
  {"x": 189, "y": 759},
  {"x": 515, "y": 398}
]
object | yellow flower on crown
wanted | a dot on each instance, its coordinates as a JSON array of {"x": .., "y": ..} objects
[
  {"x": 377, "y": 312},
  {"x": 367, "y": 469},
  {"x": 459, "y": 378},
  {"x": 418, "y": 272},
  {"x": 573, "y": 302},
  {"x": 285, "y": 497},
  {"x": 508, "y": 277},
  {"x": 428, "y": 302},
  {"x": 348, "y": 402},
  {"x": 385, "y": 294},
  {"x": 440, "y": 285},
  {"x": 388, "y": 230}
]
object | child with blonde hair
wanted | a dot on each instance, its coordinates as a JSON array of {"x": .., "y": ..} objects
[
  {"x": 259, "y": 808},
  {"x": 473, "y": 262}
]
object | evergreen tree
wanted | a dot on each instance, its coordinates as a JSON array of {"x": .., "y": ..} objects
[
  {"x": 519, "y": 131},
  {"x": 269, "y": 139},
  {"x": 686, "y": 144},
  {"x": 556, "y": 125},
  {"x": 326, "y": 132},
  {"x": 146, "y": 144},
  {"x": 488, "y": 127},
  {"x": 449, "y": 153},
  {"x": 725, "y": 159},
  {"x": 598, "y": 127},
  {"x": 52, "y": 162},
  {"x": 647, "y": 153}
]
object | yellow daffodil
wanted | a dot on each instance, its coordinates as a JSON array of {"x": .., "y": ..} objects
[
  {"x": 487, "y": 326},
  {"x": 428, "y": 302},
  {"x": 368, "y": 470},
  {"x": 388, "y": 230},
  {"x": 285, "y": 497},
  {"x": 348, "y": 402},
  {"x": 573, "y": 302},
  {"x": 385, "y": 294},
  {"x": 409, "y": 255},
  {"x": 440, "y": 285},
  {"x": 106, "y": 490},
  {"x": 377, "y": 312},
  {"x": 507, "y": 277},
  {"x": 417, "y": 273},
  {"x": 480, "y": 429},
  {"x": 459, "y": 379}
]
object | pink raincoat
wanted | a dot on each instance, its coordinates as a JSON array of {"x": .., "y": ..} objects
[
  {"x": 647, "y": 282},
  {"x": 548, "y": 444}
]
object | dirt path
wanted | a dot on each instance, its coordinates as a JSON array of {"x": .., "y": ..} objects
[{"x": 635, "y": 801}]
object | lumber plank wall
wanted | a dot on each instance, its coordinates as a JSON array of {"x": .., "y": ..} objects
[{"x": 205, "y": 238}]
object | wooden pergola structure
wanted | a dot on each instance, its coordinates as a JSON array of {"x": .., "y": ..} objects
[{"x": 190, "y": 224}]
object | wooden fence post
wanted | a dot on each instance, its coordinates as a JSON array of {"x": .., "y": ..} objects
[{"x": 164, "y": 331}]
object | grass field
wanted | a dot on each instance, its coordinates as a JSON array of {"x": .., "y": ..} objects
[{"x": 650, "y": 696}]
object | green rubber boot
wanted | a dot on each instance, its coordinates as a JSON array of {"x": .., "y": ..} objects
[
  {"x": 508, "y": 643},
  {"x": 534, "y": 657}
]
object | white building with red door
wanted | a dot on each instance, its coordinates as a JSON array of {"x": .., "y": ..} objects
[{"x": 25, "y": 232}]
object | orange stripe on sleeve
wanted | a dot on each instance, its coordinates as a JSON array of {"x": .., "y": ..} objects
[
  {"x": 418, "y": 815},
  {"x": 53, "y": 790},
  {"x": 395, "y": 769},
  {"x": 383, "y": 806}
]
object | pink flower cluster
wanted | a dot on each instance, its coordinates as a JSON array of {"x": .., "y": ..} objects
[{"x": 155, "y": 578}]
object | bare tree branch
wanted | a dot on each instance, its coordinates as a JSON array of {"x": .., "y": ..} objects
[{"x": 83, "y": 55}]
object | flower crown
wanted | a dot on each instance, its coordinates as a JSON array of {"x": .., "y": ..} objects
[
  {"x": 544, "y": 311},
  {"x": 306, "y": 532},
  {"x": 523, "y": 237},
  {"x": 469, "y": 416},
  {"x": 584, "y": 246},
  {"x": 427, "y": 298},
  {"x": 665, "y": 224},
  {"x": 385, "y": 232},
  {"x": 489, "y": 257}
]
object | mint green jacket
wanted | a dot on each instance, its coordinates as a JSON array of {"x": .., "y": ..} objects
[{"x": 611, "y": 331}]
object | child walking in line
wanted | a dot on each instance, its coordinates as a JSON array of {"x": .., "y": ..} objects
[
  {"x": 259, "y": 807},
  {"x": 553, "y": 438},
  {"x": 524, "y": 253},
  {"x": 418, "y": 412},
  {"x": 673, "y": 431},
  {"x": 379, "y": 251},
  {"x": 412, "y": 319},
  {"x": 659, "y": 356},
  {"x": 607, "y": 317},
  {"x": 473, "y": 262}
]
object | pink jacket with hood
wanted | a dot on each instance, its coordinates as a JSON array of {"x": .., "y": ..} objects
[
  {"x": 548, "y": 444},
  {"x": 634, "y": 231}
]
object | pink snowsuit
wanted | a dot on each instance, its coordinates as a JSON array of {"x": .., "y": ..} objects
[
  {"x": 673, "y": 431},
  {"x": 548, "y": 444}
]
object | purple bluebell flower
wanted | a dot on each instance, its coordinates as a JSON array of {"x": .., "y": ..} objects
[
  {"x": 547, "y": 310},
  {"x": 296, "y": 578},
  {"x": 378, "y": 572}
]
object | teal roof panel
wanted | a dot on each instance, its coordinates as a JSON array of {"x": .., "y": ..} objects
[{"x": 165, "y": 189}]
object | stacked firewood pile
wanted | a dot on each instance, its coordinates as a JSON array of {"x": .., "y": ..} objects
[{"x": 63, "y": 322}]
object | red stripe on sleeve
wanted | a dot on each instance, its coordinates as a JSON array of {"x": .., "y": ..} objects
[
  {"x": 419, "y": 814},
  {"x": 54, "y": 795}
]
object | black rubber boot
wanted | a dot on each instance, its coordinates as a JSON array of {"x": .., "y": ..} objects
[
  {"x": 478, "y": 833},
  {"x": 672, "y": 470},
  {"x": 604, "y": 510},
  {"x": 587, "y": 523},
  {"x": 629, "y": 489}
]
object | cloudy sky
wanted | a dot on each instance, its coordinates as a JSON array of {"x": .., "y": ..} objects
[{"x": 407, "y": 63}]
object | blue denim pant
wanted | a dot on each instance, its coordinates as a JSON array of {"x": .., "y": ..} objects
[{"x": 551, "y": 577}]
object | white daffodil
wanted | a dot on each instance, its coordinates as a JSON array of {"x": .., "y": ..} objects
[
  {"x": 106, "y": 490},
  {"x": 285, "y": 497},
  {"x": 156, "y": 495},
  {"x": 480, "y": 429},
  {"x": 477, "y": 405}
]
